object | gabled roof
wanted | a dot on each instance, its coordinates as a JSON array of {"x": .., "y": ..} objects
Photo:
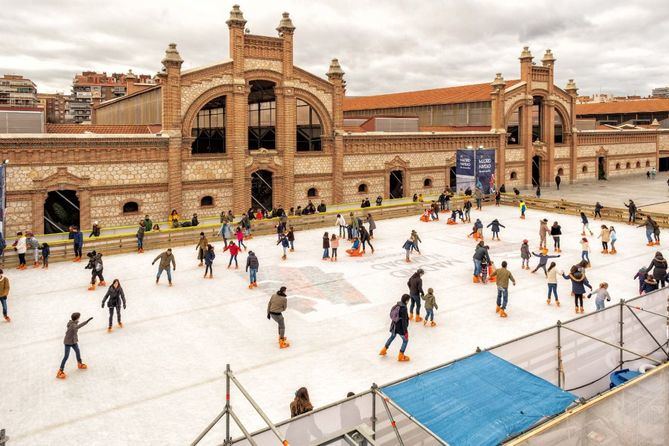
[
  {"x": 628, "y": 106},
  {"x": 103, "y": 129},
  {"x": 448, "y": 95}
]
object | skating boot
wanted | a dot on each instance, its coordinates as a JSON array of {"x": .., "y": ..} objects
[
  {"x": 418, "y": 318},
  {"x": 81, "y": 366},
  {"x": 498, "y": 309},
  {"x": 433, "y": 324},
  {"x": 476, "y": 279},
  {"x": 250, "y": 286},
  {"x": 576, "y": 310},
  {"x": 657, "y": 242},
  {"x": 8, "y": 319},
  {"x": 410, "y": 316},
  {"x": 548, "y": 301},
  {"x": 605, "y": 251},
  {"x": 283, "y": 343},
  {"x": 557, "y": 302},
  {"x": 407, "y": 260},
  {"x": 292, "y": 249},
  {"x": 102, "y": 283},
  {"x": 91, "y": 287},
  {"x": 502, "y": 313},
  {"x": 61, "y": 375},
  {"x": 109, "y": 329},
  {"x": 402, "y": 357},
  {"x": 170, "y": 284},
  {"x": 283, "y": 257},
  {"x": 613, "y": 251},
  {"x": 582, "y": 310},
  {"x": 425, "y": 323},
  {"x": 120, "y": 325},
  {"x": 383, "y": 351},
  {"x": 583, "y": 234},
  {"x": 255, "y": 284},
  {"x": 36, "y": 265}
]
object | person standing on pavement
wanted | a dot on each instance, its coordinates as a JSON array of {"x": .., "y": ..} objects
[
  {"x": 558, "y": 180},
  {"x": 503, "y": 276},
  {"x": 277, "y": 304},
  {"x": 166, "y": 258}
]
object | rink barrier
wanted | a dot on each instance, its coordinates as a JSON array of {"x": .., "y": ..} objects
[
  {"x": 577, "y": 355},
  {"x": 62, "y": 250}
]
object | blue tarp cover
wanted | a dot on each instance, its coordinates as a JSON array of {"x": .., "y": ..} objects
[{"x": 480, "y": 400}]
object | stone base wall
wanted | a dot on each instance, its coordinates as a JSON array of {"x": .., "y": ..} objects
[{"x": 108, "y": 208}]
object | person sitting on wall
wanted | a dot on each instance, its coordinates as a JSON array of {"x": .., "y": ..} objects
[
  {"x": 298, "y": 211},
  {"x": 415, "y": 198},
  {"x": 321, "y": 207},
  {"x": 291, "y": 211},
  {"x": 379, "y": 199},
  {"x": 516, "y": 191},
  {"x": 367, "y": 203},
  {"x": 310, "y": 208},
  {"x": 468, "y": 191},
  {"x": 194, "y": 221},
  {"x": 250, "y": 213},
  {"x": 156, "y": 227},
  {"x": 502, "y": 189},
  {"x": 173, "y": 219}
]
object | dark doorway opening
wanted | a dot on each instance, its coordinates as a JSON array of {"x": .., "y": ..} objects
[
  {"x": 601, "y": 168},
  {"x": 261, "y": 190},
  {"x": 61, "y": 210},
  {"x": 452, "y": 178},
  {"x": 396, "y": 184},
  {"x": 536, "y": 170},
  {"x": 664, "y": 164}
]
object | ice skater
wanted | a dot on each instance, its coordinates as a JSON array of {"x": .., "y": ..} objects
[
  {"x": 340, "y": 223},
  {"x": 326, "y": 246},
  {"x": 209, "y": 257},
  {"x": 659, "y": 268},
  {"x": 641, "y": 276},
  {"x": 234, "y": 251},
  {"x": 543, "y": 232},
  {"x": 140, "y": 237},
  {"x": 252, "y": 265},
  {"x": 502, "y": 277},
  {"x": 551, "y": 280},
  {"x": 277, "y": 304},
  {"x": 605, "y": 235},
  {"x": 114, "y": 298},
  {"x": 477, "y": 230},
  {"x": 598, "y": 210},
  {"x": 408, "y": 247},
  {"x": 467, "y": 208},
  {"x": 543, "y": 260},
  {"x": 494, "y": 228},
  {"x": 480, "y": 252},
  {"x": 430, "y": 306},
  {"x": 365, "y": 239},
  {"x": 631, "y": 210},
  {"x": 578, "y": 284},
  {"x": 399, "y": 325},
  {"x": 614, "y": 238},
  {"x": 415, "y": 239},
  {"x": 334, "y": 244},
  {"x": 291, "y": 238},
  {"x": 525, "y": 254},
  {"x": 97, "y": 267},
  {"x": 166, "y": 258},
  {"x": 601, "y": 295},
  {"x": 372, "y": 225},
  {"x": 585, "y": 251},
  {"x": 523, "y": 208},
  {"x": 4, "y": 292},
  {"x": 33, "y": 244},
  {"x": 556, "y": 232},
  {"x": 21, "y": 246},
  {"x": 240, "y": 238},
  {"x": 415, "y": 284},
  {"x": 585, "y": 224},
  {"x": 201, "y": 247},
  {"x": 71, "y": 341}
]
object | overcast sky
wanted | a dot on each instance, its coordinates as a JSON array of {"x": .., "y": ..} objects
[{"x": 619, "y": 47}]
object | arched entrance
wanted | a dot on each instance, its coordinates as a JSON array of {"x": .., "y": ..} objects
[
  {"x": 61, "y": 210},
  {"x": 396, "y": 189},
  {"x": 261, "y": 190},
  {"x": 536, "y": 170},
  {"x": 601, "y": 168}
]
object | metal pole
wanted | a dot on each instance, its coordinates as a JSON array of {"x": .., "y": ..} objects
[
  {"x": 648, "y": 311},
  {"x": 648, "y": 331},
  {"x": 392, "y": 420},
  {"x": 613, "y": 345},
  {"x": 257, "y": 408},
  {"x": 559, "y": 355},
  {"x": 204, "y": 432},
  {"x": 227, "y": 405},
  {"x": 373, "y": 418},
  {"x": 620, "y": 365}
]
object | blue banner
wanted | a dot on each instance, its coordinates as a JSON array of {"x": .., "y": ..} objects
[
  {"x": 465, "y": 169},
  {"x": 485, "y": 169},
  {"x": 475, "y": 168}
]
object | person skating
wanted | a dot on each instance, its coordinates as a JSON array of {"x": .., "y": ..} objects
[
  {"x": 551, "y": 280},
  {"x": 556, "y": 232},
  {"x": 372, "y": 225},
  {"x": 408, "y": 247},
  {"x": 656, "y": 232},
  {"x": 354, "y": 225},
  {"x": 605, "y": 235},
  {"x": 4, "y": 292},
  {"x": 415, "y": 284},
  {"x": 543, "y": 232},
  {"x": 283, "y": 241},
  {"x": 252, "y": 265},
  {"x": 77, "y": 243},
  {"x": 480, "y": 252},
  {"x": 467, "y": 207},
  {"x": 140, "y": 237},
  {"x": 478, "y": 196},
  {"x": 649, "y": 284},
  {"x": 578, "y": 284},
  {"x": 498, "y": 198},
  {"x": 598, "y": 210},
  {"x": 525, "y": 254},
  {"x": 334, "y": 244},
  {"x": 71, "y": 341},
  {"x": 201, "y": 247},
  {"x": 234, "y": 251},
  {"x": 240, "y": 238},
  {"x": 365, "y": 239},
  {"x": 209, "y": 257},
  {"x": 585, "y": 251},
  {"x": 503, "y": 276},
  {"x": 659, "y": 269},
  {"x": 399, "y": 325},
  {"x": 245, "y": 222},
  {"x": 326, "y": 246},
  {"x": 477, "y": 230},
  {"x": 21, "y": 246},
  {"x": 166, "y": 258},
  {"x": 485, "y": 265},
  {"x": 601, "y": 295},
  {"x": 494, "y": 228},
  {"x": 631, "y": 210},
  {"x": 277, "y": 304},
  {"x": 430, "y": 306},
  {"x": 114, "y": 298},
  {"x": 585, "y": 224},
  {"x": 543, "y": 260},
  {"x": 649, "y": 225},
  {"x": 46, "y": 252},
  {"x": 523, "y": 208},
  {"x": 614, "y": 238},
  {"x": 340, "y": 222},
  {"x": 32, "y": 243},
  {"x": 291, "y": 238},
  {"x": 415, "y": 239},
  {"x": 96, "y": 266},
  {"x": 641, "y": 276}
]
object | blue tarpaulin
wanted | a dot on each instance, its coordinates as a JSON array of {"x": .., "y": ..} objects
[{"x": 480, "y": 400}]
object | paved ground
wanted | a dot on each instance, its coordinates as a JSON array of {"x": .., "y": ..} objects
[{"x": 160, "y": 377}]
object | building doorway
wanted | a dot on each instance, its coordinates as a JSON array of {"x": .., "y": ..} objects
[
  {"x": 61, "y": 210},
  {"x": 261, "y": 190},
  {"x": 601, "y": 168},
  {"x": 452, "y": 178},
  {"x": 664, "y": 164},
  {"x": 396, "y": 189},
  {"x": 536, "y": 170}
]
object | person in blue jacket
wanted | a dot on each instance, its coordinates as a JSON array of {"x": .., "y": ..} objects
[
  {"x": 578, "y": 284},
  {"x": 77, "y": 243}
]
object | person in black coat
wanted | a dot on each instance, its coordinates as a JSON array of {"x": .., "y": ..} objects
[
  {"x": 659, "y": 267},
  {"x": 114, "y": 298},
  {"x": 399, "y": 326},
  {"x": 415, "y": 285},
  {"x": 365, "y": 239}
]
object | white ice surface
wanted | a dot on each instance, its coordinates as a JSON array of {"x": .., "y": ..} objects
[{"x": 159, "y": 380}]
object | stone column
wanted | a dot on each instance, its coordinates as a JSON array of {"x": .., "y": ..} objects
[
  {"x": 84, "y": 196},
  {"x": 497, "y": 125},
  {"x": 573, "y": 148},
  {"x": 287, "y": 105},
  {"x": 526, "y": 129},
  {"x": 549, "y": 131},
  {"x": 171, "y": 124},
  {"x": 38, "y": 198},
  {"x": 336, "y": 77}
]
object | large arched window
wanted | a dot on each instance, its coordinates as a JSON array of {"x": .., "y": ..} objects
[
  {"x": 308, "y": 128},
  {"x": 558, "y": 126},
  {"x": 537, "y": 119},
  {"x": 513, "y": 128},
  {"x": 262, "y": 115},
  {"x": 209, "y": 128}
]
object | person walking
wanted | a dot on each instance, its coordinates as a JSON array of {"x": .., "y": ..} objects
[
  {"x": 543, "y": 260},
  {"x": 601, "y": 295},
  {"x": 494, "y": 228},
  {"x": 556, "y": 232},
  {"x": 598, "y": 210},
  {"x": 71, "y": 341},
  {"x": 77, "y": 243},
  {"x": 551, "y": 280},
  {"x": 631, "y": 209},
  {"x": 503, "y": 276},
  {"x": 21, "y": 246},
  {"x": 649, "y": 224},
  {"x": 430, "y": 306},
  {"x": 201, "y": 248},
  {"x": 277, "y": 304},
  {"x": 252, "y": 265},
  {"x": 340, "y": 222},
  {"x": 166, "y": 258},
  {"x": 326, "y": 246},
  {"x": 114, "y": 298},
  {"x": 578, "y": 284},
  {"x": 301, "y": 403},
  {"x": 659, "y": 268},
  {"x": 614, "y": 238},
  {"x": 334, "y": 244},
  {"x": 558, "y": 180},
  {"x": 399, "y": 325},
  {"x": 97, "y": 267},
  {"x": 605, "y": 235},
  {"x": 140, "y": 237},
  {"x": 585, "y": 251},
  {"x": 543, "y": 232},
  {"x": 525, "y": 254},
  {"x": 4, "y": 292},
  {"x": 234, "y": 251},
  {"x": 209, "y": 257},
  {"x": 585, "y": 223},
  {"x": 415, "y": 284}
]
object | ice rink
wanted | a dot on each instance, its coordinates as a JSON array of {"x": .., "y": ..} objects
[{"x": 159, "y": 380}]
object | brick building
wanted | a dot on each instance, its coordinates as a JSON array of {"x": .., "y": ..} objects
[
  {"x": 256, "y": 130},
  {"x": 17, "y": 91},
  {"x": 56, "y": 107}
]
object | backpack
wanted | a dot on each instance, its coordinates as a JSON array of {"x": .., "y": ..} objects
[{"x": 395, "y": 313}]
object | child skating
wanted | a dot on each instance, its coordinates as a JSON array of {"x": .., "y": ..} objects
[
  {"x": 71, "y": 342},
  {"x": 291, "y": 238},
  {"x": 585, "y": 224},
  {"x": 209, "y": 257},
  {"x": 551, "y": 280},
  {"x": 46, "y": 252},
  {"x": 252, "y": 265},
  {"x": 556, "y": 233},
  {"x": 585, "y": 251},
  {"x": 283, "y": 241},
  {"x": 334, "y": 245},
  {"x": 543, "y": 260},
  {"x": 523, "y": 208},
  {"x": 601, "y": 296},
  {"x": 605, "y": 235},
  {"x": 578, "y": 284},
  {"x": 525, "y": 254},
  {"x": 234, "y": 251},
  {"x": 430, "y": 306},
  {"x": 96, "y": 266},
  {"x": 614, "y": 238}
]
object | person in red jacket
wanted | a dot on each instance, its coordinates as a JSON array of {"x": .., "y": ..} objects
[{"x": 234, "y": 250}]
